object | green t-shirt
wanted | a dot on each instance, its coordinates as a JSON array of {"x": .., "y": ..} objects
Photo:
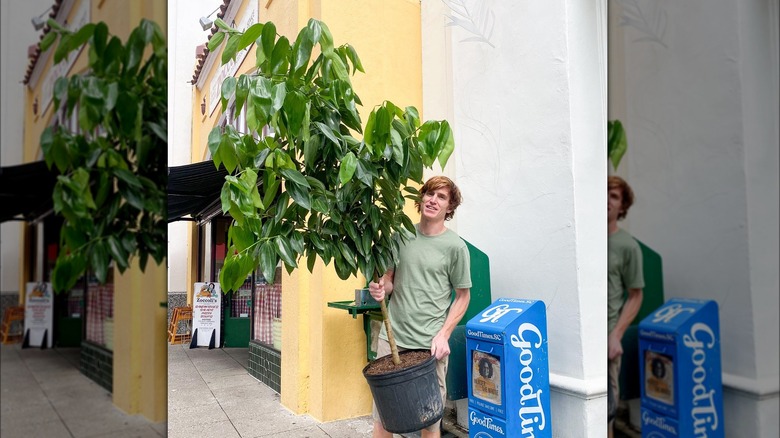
[
  {"x": 624, "y": 271},
  {"x": 428, "y": 268}
]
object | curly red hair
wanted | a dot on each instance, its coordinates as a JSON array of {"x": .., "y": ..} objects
[{"x": 627, "y": 195}]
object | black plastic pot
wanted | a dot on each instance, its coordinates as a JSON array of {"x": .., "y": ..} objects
[{"x": 407, "y": 400}]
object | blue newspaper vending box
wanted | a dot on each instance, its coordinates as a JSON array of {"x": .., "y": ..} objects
[
  {"x": 507, "y": 371},
  {"x": 680, "y": 371}
]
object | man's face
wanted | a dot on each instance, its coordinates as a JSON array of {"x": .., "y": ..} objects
[
  {"x": 435, "y": 204},
  {"x": 614, "y": 204}
]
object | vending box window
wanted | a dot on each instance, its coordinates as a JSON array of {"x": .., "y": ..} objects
[
  {"x": 680, "y": 370},
  {"x": 507, "y": 370}
]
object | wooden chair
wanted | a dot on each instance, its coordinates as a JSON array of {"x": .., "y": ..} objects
[
  {"x": 180, "y": 315},
  {"x": 13, "y": 325}
]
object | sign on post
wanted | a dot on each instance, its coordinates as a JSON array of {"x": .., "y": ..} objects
[
  {"x": 38, "y": 312},
  {"x": 206, "y": 315}
]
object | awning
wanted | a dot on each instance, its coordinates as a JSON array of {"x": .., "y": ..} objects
[
  {"x": 26, "y": 190},
  {"x": 193, "y": 191}
]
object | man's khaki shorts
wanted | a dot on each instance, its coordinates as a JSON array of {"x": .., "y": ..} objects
[
  {"x": 383, "y": 349},
  {"x": 613, "y": 379}
]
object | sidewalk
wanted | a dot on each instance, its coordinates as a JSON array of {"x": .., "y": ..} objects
[
  {"x": 211, "y": 394},
  {"x": 45, "y": 395}
]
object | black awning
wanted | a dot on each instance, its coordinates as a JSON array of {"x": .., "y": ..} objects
[
  {"x": 26, "y": 191},
  {"x": 193, "y": 190}
]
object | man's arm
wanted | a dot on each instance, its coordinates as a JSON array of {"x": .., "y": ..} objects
[
  {"x": 440, "y": 345},
  {"x": 629, "y": 312}
]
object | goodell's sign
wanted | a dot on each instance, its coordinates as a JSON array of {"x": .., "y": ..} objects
[
  {"x": 206, "y": 315},
  {"x": 38, "y": 313}
]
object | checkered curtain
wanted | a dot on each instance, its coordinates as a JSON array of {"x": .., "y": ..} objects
[
  {"x": 100, "y": 305},
  {"x": 268, "y": 305}
]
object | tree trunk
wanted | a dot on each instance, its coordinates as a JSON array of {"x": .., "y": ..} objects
[{"x": 389, "y": 329}]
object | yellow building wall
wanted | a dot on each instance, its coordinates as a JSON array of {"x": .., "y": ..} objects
[
  {"x": 324, "y": 349},
  {"x": 140, "y": 377},
  {"x": 140, "y": 346}
]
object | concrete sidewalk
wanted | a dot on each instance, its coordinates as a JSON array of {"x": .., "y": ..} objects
[
  {"x": 211, "y": 394},
  {"x": 45, "y": 395}
]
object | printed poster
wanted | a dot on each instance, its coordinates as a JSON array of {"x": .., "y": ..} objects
[
  {"x": 206, "y": 315},
  {"x": 659, "y": 377},
  {"x": 38, "y": 313},
  {"x": 486, "y": 377}
]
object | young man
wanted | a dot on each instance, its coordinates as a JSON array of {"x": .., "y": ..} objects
[
  {"x": 430, "y": 265},
  {"x": 624, "y": 272}
]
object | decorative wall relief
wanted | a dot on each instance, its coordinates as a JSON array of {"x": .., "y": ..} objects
[
  {"x": 473, "y": 17},
  {"x": 648, "y": 18}
]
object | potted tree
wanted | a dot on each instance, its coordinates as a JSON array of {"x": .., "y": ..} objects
[
  {"x": 311, "y": 188},
  {"x": 110, "y": 189}
]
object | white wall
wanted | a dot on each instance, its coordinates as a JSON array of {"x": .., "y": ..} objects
[
  {"x": 16, "y": 34},
  {"x": 528, "y": 107},
  {"x": 184, "y": 35},
  {"x": 699, "y": 103}
]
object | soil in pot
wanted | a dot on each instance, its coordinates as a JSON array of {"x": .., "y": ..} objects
[{"x": 385, "y": 364}]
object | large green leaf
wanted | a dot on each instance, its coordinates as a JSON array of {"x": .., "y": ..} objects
[
  {"x": 228, "y": 90},
  {"x": 301, "y": 51},
  {"x": 260, "y": 100},
  {"x": 280, "y": 57},
  {"x": 339, "y": 68},
  {"x": 47, "y": 41},
  {"x": 326, "y": 38},
  {"x": 268, "y": 260},
  {"x": 215, "y": 41},
  {"x": 215, "y": 138},
  {"x": 285, "y": 251},
  {"x": 295, "y": 109},
  {"x": 268, "y": 39},
  {"x": 231, "y": 48},
  {"x": 295, "y": 176},
  {"x": 447, "y": 145},
  {"x": 250, "y": 35},
  {"x": 347, "y": 167},
  {"x": 240, "y": 237},
  {"x": 242, "y": 92},
  {"x": 278, "y": 93},
  {"x": 311, "y": 150},
  {"x": 299, "y": 194},
  {"x": 353, "y": 56},
  {"x": 617, "y": 143},
  {"x": 227, "y": 152}
]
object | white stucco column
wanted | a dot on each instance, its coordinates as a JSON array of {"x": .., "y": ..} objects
[
  {"x": 524, "y": 87},
  {"x": 700, "y": 100},
  {"x": 184, "y": 35}
]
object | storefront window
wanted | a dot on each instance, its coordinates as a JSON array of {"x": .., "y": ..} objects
[
  {"x": 268, "y": 311},
  {"x": 100, "y": 312},
  {"x": 240, "y": 303}
]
